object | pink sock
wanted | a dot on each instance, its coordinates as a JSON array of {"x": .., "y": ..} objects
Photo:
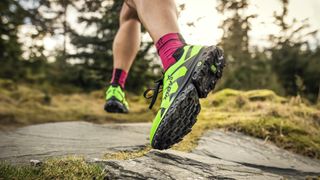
[
  {"x": 119, "y": 77},
  {"x": 167, "y": 45}
]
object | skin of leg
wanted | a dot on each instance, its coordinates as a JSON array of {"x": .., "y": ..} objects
[
  {"x": 159, "y": 17},
  {"x": 128, "y": 38}
]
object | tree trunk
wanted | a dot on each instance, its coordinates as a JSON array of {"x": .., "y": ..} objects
[{"x": 64, "y": 29}]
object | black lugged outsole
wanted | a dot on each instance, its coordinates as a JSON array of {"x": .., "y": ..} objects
[
  {"x": 182, "y": 114},
  {"x": 179, "y": 119},
  {"x": 114, "y": 106},
  {"x": 204, "y": 78}
]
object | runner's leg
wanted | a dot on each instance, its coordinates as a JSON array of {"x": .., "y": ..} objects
[
  {"x": 125, "y": 47},
  {"x": 126, "y": 43},
  {"x": 159, "y": 17}
]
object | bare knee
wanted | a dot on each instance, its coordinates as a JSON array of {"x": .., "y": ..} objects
[
  {"x": 128, "y": 13},
  {"x": 130, "y": 3},
  {"x": 143, "y": 6}
]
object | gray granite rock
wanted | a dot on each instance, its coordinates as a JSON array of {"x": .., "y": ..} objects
[
  {"x": 252, "y": 152},
  {"x": 178, "y": 165},
  {"x": 70, "y": 138}
]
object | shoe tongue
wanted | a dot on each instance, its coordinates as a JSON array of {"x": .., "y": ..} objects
[
  {"x": 114, "y": 84},
  {"x": 178, "y": 53}
]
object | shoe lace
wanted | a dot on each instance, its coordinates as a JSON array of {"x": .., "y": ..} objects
[{"x": 153, "y": 92}]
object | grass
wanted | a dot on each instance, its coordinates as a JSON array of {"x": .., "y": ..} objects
[
  {"x": 56, "y": 168},
  {"x": 21, "y": 105},
  {"x": 124, "y": 155},
  {"x": 71, "y": 167}
]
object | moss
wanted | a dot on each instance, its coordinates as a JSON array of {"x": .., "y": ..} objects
[
  {"x": 235, "y": 98},
  {"x": 124, "y": 155},
  {"x": 264, "y": 95},
  {"x": 219, "y": 98}
]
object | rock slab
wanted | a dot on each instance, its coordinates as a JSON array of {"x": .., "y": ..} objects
[
  {"x": 70, "y": 138},
  {"x": 252, "y": 152},
  {"x": 178, "y": 165}
]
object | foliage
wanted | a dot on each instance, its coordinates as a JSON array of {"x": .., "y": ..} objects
[
  {"x": 292, "y": 56},
  {"x": 12, "y": 15}
]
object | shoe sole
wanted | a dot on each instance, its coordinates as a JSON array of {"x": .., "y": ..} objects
[
  {"x": 114, "y": 106},
  {"x": 183, "y": 112}
]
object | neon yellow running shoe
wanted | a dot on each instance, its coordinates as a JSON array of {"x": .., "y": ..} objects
[
  {"x": 193, "y": 76},
  {"x": 116, "y": 102}
]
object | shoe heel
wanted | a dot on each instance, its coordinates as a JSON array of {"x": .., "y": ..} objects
[
  {"x": 114, "y": 106},
  {"x": 208, "y": 70}
]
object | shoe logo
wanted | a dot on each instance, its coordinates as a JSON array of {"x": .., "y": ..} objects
[{"x": 170, "y": 78}]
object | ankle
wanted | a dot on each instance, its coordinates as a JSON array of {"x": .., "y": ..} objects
[
  {"x": 167, "y": 46},
  {"x": 119, "y": 77}
]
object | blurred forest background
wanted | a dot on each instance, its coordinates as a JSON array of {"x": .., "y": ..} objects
[{"x": 290, "y": 66}]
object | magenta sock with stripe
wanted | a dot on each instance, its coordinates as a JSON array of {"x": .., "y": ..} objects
[
  {"x": 119, "y": 77},
  {"x": 167, "y": 45}
]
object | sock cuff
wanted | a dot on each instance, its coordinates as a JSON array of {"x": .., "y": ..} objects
[
  {"x": 167, "y": 45},
  {"x": 167, "y": 38},
  {"x": 119, "y": 77}
]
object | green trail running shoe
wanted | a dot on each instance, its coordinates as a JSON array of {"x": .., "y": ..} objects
[
  {"x": 193, "y": 76},
  {"x": 116, "y": 102}
]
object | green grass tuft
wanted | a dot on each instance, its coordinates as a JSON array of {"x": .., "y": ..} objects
[{"x": 56, "y": 168}]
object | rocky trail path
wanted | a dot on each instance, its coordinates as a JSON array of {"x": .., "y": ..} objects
[{"x": 219, "y": 155}]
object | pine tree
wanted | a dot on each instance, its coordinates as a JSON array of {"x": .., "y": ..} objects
[
  {"x": 292, "y": 57},
  {"x": 236, "y": 29},
  {"x": 243, "y": 70},
  {"x": 11, "y": 17},
  {"x": 14, "y": 15}
]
